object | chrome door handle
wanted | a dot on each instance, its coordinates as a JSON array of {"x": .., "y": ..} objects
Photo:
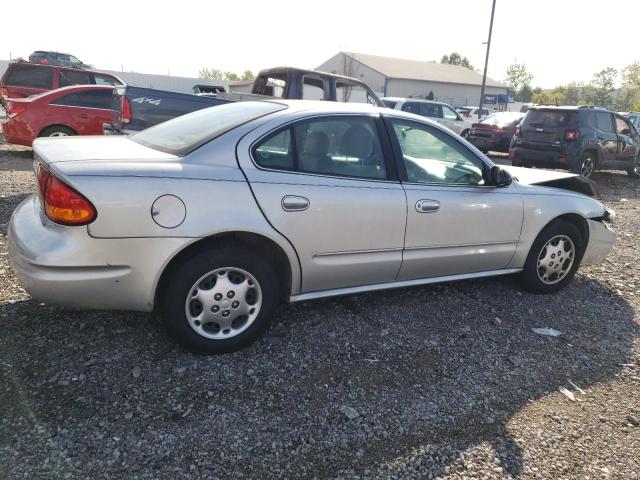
[
  {"x": 294, "y": 203},
  {"x": 427, "y": 206}
]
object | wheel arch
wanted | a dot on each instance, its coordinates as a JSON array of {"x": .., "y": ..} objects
[
  {"x": 255, "y": 241},
  {"x": 596, "y": 153},
  {"x": 56, "y": 125},
  {"x": 577, "y": 220}
]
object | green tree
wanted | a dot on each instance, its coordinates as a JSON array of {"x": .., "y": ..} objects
[
  {"x": 248, "y": 75},
  {"x": 519, "y": 80},
  {"x": 231, "y": 76},
  {"x": 629, "y": 95},
  {"x": 602, "y": 87},
  {"x": 456, "y": 59},
  {"x": 211, "y": 74},
  {"x": 430, "y": 96}
]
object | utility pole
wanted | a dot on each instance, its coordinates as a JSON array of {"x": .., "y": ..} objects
[{"x": 486, "y": 61}]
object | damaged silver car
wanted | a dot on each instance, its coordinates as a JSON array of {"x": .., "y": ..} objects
[{"x": 217, "y": 216}]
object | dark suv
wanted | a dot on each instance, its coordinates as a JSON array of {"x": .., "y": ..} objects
[
  {"x": 580, "y": 139},
  {"x": 44, "y": 57}
]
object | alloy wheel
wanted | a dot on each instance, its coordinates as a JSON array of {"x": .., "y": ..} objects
[
  {"x": 556, "y": 259},
  {"x": 586, "y": 169},
  {"x": 58, "y": 134},
  {"x": 223, "y": 303}
]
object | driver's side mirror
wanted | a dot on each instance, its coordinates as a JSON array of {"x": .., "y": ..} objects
[{"x": 499, "y": 177}]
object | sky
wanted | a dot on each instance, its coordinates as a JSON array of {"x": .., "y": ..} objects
[{"x": 559, "y": 41}]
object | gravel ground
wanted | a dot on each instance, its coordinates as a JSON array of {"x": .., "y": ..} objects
[{"x": 442, "y": 381}]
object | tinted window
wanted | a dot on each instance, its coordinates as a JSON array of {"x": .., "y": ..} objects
[
  {"x": 341, "y": 146},
  {"x": 70, "y": 77},
  {"x": 411, "y": 107},
  {"x": 432, "y": 157},
  {"x": 40, "y": 77},
  {"x": 89, "y": 99},
  {"x": 183, "y": 134},
  {"x": 389, "y": 103},
  {"x": 604, "y": 122},
  {"x": 548, "y": 118},
  {"x": 431, "y": 110},
  {"x": 506, "y": 118}
]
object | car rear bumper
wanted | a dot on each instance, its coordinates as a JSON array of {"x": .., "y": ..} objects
[
  {"x": 601, "y": 241},
  {"x": 66, "y": 266},
  {"x": 542, "y": 158},
  {"x": 16, "y": 132}
]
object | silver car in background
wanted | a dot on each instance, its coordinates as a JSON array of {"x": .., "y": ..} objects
[
  {"x": 439, "y": 112},
  {"x": 217, "y": 216}
]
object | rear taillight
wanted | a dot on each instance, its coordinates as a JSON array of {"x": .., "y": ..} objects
[
  {"x": 13, "y": 110},
  {"x": 518, "y": 132},
  {"x": 44, "y": 61},
  {"x": 570, "y": 135},
  {"x": 125, "y": 116},
  {"x": 63, "y": 204}
]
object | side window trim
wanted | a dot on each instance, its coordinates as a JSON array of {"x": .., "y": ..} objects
[
  {"x": 399, "y": 159},
  {"x": 392, "y": 173}
]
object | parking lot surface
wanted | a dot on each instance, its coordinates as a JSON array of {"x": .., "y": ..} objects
[{"x": 442, "y": 381}]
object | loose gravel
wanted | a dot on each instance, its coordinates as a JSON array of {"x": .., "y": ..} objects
[{"x": 446, "y": 381}]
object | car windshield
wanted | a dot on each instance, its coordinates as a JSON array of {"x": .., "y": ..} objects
[
  {"x": 506, "y": 118},
  {"x": 184, "y": 134}
]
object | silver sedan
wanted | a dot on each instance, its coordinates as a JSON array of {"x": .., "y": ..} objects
[{"x": 218, "y": 216}]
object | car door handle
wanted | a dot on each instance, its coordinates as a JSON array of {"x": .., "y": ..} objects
[
  {"x": 83, "y": 115},
  {"x": 294, "y": 203},
  {"x": 427, "y": 206}
]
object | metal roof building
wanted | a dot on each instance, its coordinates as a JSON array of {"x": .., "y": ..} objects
[{"x": 399, "y": 77}]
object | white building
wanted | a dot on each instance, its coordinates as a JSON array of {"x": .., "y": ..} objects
[{"x": 397, "y": 77}]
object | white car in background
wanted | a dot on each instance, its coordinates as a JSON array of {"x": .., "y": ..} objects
[
  {"x": 440, "y": 112},
  {"x": 471, "y": 113}
]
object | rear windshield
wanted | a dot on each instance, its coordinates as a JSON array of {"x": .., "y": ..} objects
[
  {"x": 548, "y": 118},
  {"x": 184, "y": 134},
  {"x": 25, "y": 76},
  {"x": 506, "y": 118},
  {"x": 463, "y": 110}
]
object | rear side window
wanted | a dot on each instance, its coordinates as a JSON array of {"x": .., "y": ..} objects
[
  {"x": 90, "y": 99},
  {"x": 312, "y": 88},
  {"x": 411, "y": 107},
  {"x": 389, "y": 103},
  {"x": 101, "y": 79},
  {"x": 70, "y": 77},
  {"x": 604, "y": 122},
  {"x": 340, "y": 146},
  {"x": 548, "y": 118},
  {"x": 39, "y": 77}
]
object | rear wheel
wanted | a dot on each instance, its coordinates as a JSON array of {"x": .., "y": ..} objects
[
  {"x": 553, "y": 259},
  {"x": 634, "y": 171},
  {"x": 219, "y": 301},
  {"x": 57, "y": 131},
  {"x": 586, "y": 165}
]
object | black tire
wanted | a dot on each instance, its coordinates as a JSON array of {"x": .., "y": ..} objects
[
  {"x": 587, "y": 164},
  {"x": 465, "y": 134},
  {"x": 57, "y": 131},
  {"x": 181, "y": 279},
  {"x": 634, "y": 172},
  {"x": 530, "y": 279}
]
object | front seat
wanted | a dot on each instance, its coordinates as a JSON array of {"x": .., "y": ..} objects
[{"x": 313, "y": 157}]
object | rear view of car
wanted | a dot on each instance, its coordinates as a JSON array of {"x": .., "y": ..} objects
[
  {"x": 579, "y": 139},
  {"x": 495, "y": 132}
]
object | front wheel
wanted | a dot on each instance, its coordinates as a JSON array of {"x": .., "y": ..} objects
[
  {"x": 219, "y": 301},
  {"x": 634, "y": 171},
  {"x": 554, "y": 258}
]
